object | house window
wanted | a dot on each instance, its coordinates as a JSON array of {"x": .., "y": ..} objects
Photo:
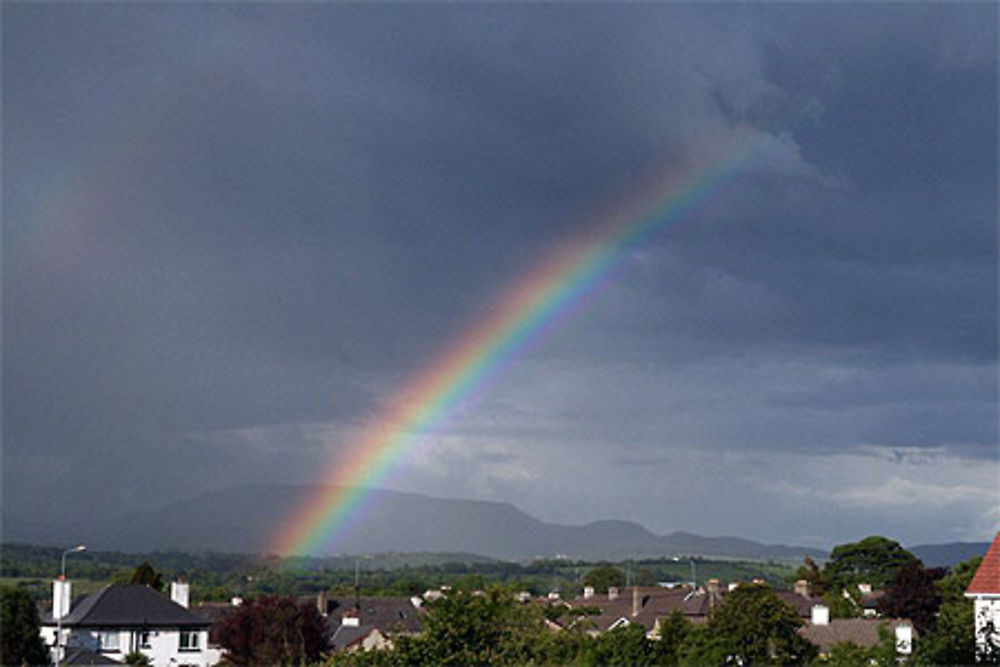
[
  {"x": 108, "y": 640},
  {"x": 189, "y": 640}
]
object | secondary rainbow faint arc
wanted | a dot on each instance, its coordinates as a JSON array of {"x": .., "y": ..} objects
[{"x": 532, "y": 305}]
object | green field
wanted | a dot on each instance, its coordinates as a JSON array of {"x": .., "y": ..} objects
[{"x": 220, "y": 576}]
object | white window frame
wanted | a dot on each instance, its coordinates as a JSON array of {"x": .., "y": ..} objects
[
  {"x": 107, "y": 646},
  {"x": 193, "y": 643}
]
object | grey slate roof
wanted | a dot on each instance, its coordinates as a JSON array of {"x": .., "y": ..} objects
[
  {"x": 119, "y": 605},
  {"x": 653, "y": 603},
  {"x": 346, "y": 635},
  {"x": 802, "y": 604},
  {"x": 386, "y": 614},
  {"x": 861, "y": 631}
]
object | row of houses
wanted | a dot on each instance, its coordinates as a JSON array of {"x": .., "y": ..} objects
[
  {"x": 104, "y": 627},
  {"x": 649, "y": 606}
]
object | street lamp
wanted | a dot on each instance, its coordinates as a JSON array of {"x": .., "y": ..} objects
[
  {"x": 62, "y": 612},
  {"x": 694, "y": 578}
]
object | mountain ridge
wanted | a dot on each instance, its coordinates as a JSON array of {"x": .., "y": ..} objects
[{"x": 243, "y": 520}]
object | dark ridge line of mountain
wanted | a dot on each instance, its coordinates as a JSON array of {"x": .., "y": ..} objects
[{"x": 243, "y": 520}]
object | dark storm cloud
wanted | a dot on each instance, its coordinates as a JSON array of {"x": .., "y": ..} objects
[{"x": 228, "y": 226}]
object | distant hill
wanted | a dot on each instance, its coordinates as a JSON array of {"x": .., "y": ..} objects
[
  {"x": 238, "y": 520},
  {"x": 948, "y": 555}
]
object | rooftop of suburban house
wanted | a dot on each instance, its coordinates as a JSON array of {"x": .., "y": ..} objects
[
  {"x": 861, "y": 631},
  {"x": 987, "y": 578},
  {"x": 130, "y": 606},
  {"x": 386, "y": 614}
]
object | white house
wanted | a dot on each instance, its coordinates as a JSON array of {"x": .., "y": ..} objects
[
  {"x": 120, "y": 619},
  {"x": 984, "y": 589}
]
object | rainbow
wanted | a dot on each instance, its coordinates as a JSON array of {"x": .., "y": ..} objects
[{"x": 533, "y": 306}]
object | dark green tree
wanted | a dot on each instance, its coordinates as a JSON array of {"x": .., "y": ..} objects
[
  {"x": 703, "y": 648},
  {"x": 625, "y": 645},
  {"x": 20, "y": 641},
  {"x": 846, "y": 654},
  {"x": 673, "y": 631},
  {"x": 138, "y": 659},
  {"x": 476, "y": 628},
  {"x": 844, "y": 602},
  {"x": 756, "y": 627},
  {"x": 145, "y": 575},
  {"x": 873, "y": 560},
  {"x": 604, "y": 577},
  {"x": 818, "y": 579}
]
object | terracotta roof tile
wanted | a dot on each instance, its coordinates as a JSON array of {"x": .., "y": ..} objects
[{"x": 987, "y": 579}]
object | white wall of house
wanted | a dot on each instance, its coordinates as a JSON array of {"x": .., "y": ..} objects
[
  {"x": 162, "y": 645},
  {"x": 987, "y": 612}
]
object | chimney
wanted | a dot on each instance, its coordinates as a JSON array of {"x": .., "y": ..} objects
[
  {"x": 904, "y": 638},
  {"x": 820, "y": 614},
  {"x": 321, "y": 602},
  {"x": 179, "y": 592},
  {"x": 635, "y": 601},
  {"x": 612, "y": 592},
  {"x": 588, "y": 592},
  {"x": 802, "y": 588},
  {"x": 60, "y": 597},
  {"x": 712, "y": 586},
  {"x": 350, "y": 620}
]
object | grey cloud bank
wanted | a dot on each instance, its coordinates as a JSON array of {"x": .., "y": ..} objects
[{"x": 232, "y": 232}]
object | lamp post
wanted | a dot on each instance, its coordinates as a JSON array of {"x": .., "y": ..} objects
[
  {"x": 62, "y": 612},
  {"x": 694, "y": 578}
]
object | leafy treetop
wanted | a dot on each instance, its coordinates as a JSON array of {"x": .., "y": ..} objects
[{"x": 873, "y": 560}]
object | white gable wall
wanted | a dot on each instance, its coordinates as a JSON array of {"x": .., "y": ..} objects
[{"x": 987, "y": 613}]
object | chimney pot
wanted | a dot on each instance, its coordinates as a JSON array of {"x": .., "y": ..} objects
[
  {"x": 588, "y": 592},
  {"x": 820, "y": 614},
  {"x": 612, "y": 592},
  {"x": 904, "y": 638},
  {"x": 61, "y": 589},
  {"x": 180, "y": 593},
  {"x": 321, "y": 602}
]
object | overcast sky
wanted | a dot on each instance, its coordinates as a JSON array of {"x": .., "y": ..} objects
[{"x": 233, "y": 231}]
